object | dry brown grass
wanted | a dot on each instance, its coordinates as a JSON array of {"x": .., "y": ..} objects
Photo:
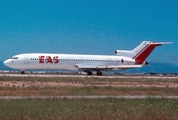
[{"x": 33, "y": 86}]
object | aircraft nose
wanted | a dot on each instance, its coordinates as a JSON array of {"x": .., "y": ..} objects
[
  {"x": 8, "y": 63},
  {"x": 5, "y": 62}
]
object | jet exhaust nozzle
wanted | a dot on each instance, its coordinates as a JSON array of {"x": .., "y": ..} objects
[{"x": 146, "y": 63}]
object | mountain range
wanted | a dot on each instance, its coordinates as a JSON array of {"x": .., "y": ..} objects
[{"x": 153, "y": 67}]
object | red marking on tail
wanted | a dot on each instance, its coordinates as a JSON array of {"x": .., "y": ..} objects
[{"x": 145, "y": 52}]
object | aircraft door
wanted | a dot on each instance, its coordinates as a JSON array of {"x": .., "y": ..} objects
[{"x": 26, "y": 59}]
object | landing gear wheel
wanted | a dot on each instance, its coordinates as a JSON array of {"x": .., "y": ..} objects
[
  {"x": 99, "y": 73},
  {"x": 22, "y": 72},
  {"x": 89, "y": 73}
]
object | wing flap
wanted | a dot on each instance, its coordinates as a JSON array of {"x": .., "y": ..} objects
[
  {"x": 86, "y": 67},
  {"x": 91, "y": 67},
  {"x": 123, "y": 66},
  {"x": 108, "y": 67}
]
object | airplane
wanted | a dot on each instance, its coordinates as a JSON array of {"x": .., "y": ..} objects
[{"x": 124, "y": 59}]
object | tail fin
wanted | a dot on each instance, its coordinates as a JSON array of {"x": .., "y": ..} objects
[
  {"x": 141, "y": 52},
  {"x": 144, "y": 49}
]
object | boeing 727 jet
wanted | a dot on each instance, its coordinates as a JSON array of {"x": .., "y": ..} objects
[{"x": 124, "y": 59}]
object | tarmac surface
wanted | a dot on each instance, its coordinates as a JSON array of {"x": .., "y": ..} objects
[
  {"x": 87, "y": 97},
  {"x": 83, "y": 76}
]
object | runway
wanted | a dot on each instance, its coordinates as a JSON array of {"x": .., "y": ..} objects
[
  {"x": 84, "y": 76},
  {"x": 86, "y": 97}
]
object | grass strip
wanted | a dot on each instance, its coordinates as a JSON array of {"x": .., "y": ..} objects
[
  {"x": 96, "y": 109},
  {"x": 86, "y": 90}
]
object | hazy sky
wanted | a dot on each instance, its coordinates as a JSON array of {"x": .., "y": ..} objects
[{"x": 88, "y": 26}]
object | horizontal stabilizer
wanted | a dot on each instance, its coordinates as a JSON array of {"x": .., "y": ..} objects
[{"x": 161, "y": 43}]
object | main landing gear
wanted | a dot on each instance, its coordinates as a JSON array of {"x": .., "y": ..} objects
[
  {"x": 89, "y": 73},
  {"x": 97, "y": 73},
  {"x": 22, "y": 72}
]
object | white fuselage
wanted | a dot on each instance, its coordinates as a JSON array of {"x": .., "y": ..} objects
[{"x": 43, "y": 61}]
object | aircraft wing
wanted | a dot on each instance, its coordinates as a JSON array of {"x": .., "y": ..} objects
[
  {"x": 123, "y": 66},
  {"x": 95, "y": 67}
]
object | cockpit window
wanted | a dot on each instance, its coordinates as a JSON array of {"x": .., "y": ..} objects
[{"x": 14, "y": 58}]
